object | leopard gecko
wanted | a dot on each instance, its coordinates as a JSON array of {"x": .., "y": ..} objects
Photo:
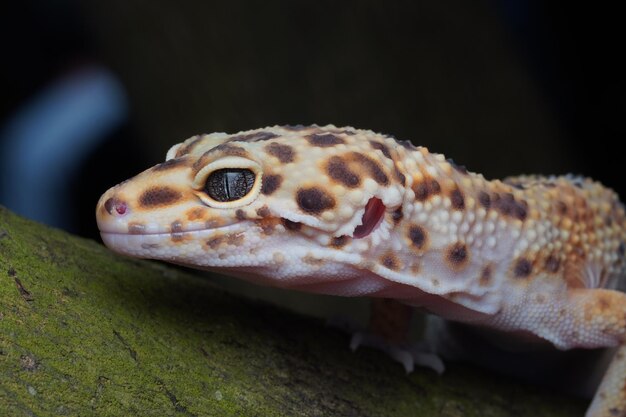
[{"x": 351, "y": 212}]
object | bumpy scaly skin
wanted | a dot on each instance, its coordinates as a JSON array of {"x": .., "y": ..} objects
[{"x": 535, "y": 256}]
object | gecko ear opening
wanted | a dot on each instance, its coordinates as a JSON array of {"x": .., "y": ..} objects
[{"x": 372, "y": 216}]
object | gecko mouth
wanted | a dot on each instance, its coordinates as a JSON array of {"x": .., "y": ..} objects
[
  {"x": 148, "y": 245},
  {"x": 176, "y": 230}
]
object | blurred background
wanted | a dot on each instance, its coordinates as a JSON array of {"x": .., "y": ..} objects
[{"x": 94, "y": 92}]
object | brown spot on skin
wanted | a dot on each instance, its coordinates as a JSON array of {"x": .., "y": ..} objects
[
  {"x": 339, "y": 242},
  {"x": 215, "y": 242},
  {"x": 284, "y": 153},
  {"x": 552, "y": 264},
  {"x": 212, "y": 223},
  {"x": 229, "y": 150},
  {"x": 397, "y": 215},
  {"x": 561, "y": 208},
  {"x": 457, "y": 256},
  {"x": 434, "y": 187},
  {"x": 254, "y": 137},
  {"x": 520, "y": 210},
  {"x": 324, "y": 140},
  {"x": 235, "y": 239},
  {"x": 268, "y": 227},
  {"x": 459, "y": 168},
  {"x": 290, "y": 225},
  {"x": 418, "y": 237},
  {"x": 169, "y": 164},
  {"x": 314, "y": 200},
  {"x": 263, "y": 211},
  {"x": 184, "y": 150},
  {"x": 540, "y": 299},
  {"x": 390, "y": 261},
  {"x": 226, "y": 149},
  {"x": 503, "y": 204},
  {"x": 381, "y": 147},
  {"x": 176, "y": 231},
  {"x": 338, "y": 170},
  {"x": 270, "y": 183},
  {"x": 425, "y": 189},
  {"x": 507, "y": 206},
  {"x": 399, "y": 175},
  {"x": 485, "y": 275},
  {"x": 240, "y": 214},
  {"x": 484, "y": 200},
  {"x": 135, "y": 228},
  {"x": 371, "y": 166},
  {"x": 196, "y": 213},
  {"x": 457, "y": 199},
  {"x": 523, "y": 268},
  {"x": 159, "y": 196}
]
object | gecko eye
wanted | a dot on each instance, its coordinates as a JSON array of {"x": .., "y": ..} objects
[{"x": 229, "y": 184}]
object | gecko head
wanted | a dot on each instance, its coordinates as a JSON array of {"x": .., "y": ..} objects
[{"x": 270, "y": 205}]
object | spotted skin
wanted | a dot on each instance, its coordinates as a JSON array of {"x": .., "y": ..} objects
[{"x": 538, "y": 256}]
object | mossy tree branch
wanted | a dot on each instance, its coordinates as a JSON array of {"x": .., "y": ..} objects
[{"x": 86, "y": 332}]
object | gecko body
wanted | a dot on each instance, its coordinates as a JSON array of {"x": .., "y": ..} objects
[{"x": 350, "y": 212}]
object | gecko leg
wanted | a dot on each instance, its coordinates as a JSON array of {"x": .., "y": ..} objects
[
  {"x": 390, "y": 319},
  {"x": 610, "y": 399},
  {"x": 601, "y": 314},
  {"x": 388, "y": 331}
]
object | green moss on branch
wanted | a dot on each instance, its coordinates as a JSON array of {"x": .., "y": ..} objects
[{"x": 86, "y": 332}]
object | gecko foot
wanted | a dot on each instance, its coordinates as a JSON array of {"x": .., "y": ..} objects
[{"x": 408, "y": 355}]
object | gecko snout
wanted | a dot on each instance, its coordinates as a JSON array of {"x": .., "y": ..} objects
[{"x": 111, "y": 210}]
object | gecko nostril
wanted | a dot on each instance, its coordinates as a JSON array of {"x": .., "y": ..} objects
[{"x": 115, "y": 204}]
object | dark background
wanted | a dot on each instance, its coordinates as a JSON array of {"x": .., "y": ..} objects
[{"x": 504, "y": 87}]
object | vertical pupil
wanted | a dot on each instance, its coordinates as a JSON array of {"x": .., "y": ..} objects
[{"x": 229, "y": 184}]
